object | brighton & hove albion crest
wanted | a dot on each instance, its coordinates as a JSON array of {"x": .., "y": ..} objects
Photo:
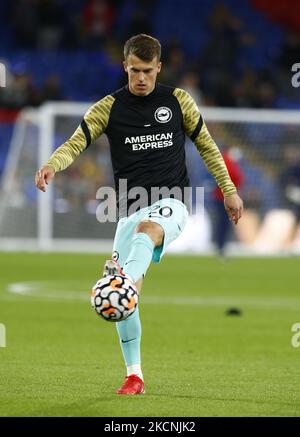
[{"x": 163, "y": 114}]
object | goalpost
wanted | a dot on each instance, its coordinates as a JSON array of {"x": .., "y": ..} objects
[{"x": 64, "y": 218}]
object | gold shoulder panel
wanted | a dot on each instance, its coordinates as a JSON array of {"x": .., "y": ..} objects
[
  {"x": 97, "y": 116},
  {"x": 189, "y": 109}
]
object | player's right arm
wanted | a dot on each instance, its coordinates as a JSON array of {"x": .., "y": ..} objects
[{"x": 92, "y": 126}]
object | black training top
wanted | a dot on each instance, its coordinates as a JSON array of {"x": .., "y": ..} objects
[{"x": 146, "y": 136}]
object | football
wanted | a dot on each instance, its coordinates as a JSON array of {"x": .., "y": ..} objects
[{"x": 114, "y": 298}]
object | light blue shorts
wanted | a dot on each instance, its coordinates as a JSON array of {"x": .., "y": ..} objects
[{"x": 170, "y": 213}]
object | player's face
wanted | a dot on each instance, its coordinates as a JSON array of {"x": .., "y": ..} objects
[{"x": 141, "y": 75}]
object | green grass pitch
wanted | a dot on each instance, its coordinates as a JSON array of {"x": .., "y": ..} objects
[{"x": 60, "y": 359}]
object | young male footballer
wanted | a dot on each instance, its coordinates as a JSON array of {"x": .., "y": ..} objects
[{"x": 146, "y": 123}]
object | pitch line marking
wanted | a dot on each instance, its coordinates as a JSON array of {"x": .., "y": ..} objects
[{"x": 55, "y": 291}]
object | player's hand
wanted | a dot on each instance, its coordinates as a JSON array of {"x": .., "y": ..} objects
[
  {"x": 43, "y": 177},
  {"x": 234, "y": 207}
]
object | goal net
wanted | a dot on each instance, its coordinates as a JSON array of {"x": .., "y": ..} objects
[{"x": 263, "y": 144}]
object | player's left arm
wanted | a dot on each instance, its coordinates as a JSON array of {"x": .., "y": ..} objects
[{"x": 196, "y": 129}]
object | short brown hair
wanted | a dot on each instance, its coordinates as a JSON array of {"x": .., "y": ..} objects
[{"x": 143, "y": 46}]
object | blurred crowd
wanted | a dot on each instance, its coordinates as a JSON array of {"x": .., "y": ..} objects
[{"x": 227, "y": 68}]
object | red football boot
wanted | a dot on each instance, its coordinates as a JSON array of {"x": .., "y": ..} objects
[{"x": 133, "y": 385}]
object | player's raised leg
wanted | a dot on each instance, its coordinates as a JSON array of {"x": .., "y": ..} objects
[{"x": 148, "y": 236}]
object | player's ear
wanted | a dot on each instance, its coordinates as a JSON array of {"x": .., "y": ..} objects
[
  {"x": 159, "y": 67},
  {"x": 125, "y": 65}
]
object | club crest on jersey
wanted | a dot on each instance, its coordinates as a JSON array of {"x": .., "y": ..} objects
[{"x": 163, "y": 114}]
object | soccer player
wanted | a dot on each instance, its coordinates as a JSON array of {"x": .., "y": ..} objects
[{"x": 146, "y": 123}]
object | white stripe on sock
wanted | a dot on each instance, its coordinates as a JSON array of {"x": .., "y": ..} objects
[{"x": 136, "y": 370}]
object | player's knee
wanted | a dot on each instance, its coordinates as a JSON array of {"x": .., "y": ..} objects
[{"x": 153, "y": 230}]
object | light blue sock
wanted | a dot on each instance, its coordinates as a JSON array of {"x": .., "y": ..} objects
[
  {"x": 130, "y": 333},
  {"x": 136, "y": 265},
  {"x": 139, "y": 257}
]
